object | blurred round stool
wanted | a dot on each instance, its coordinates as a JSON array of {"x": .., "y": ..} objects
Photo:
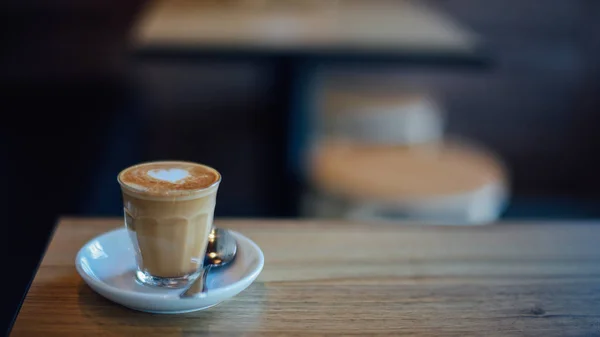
[
  {"x": 442, "y": 183},
  {"x": 380, "y": 117}
]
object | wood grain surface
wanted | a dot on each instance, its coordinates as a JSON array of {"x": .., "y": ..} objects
[
  {"x": 302, "y": 25},
  {"x": 339, "y": 278}
]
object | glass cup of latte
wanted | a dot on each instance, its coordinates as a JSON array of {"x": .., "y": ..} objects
[{"x": 169, "y": 208}]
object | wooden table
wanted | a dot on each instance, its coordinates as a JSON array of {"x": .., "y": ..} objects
[{"x": 324, "y": 278}]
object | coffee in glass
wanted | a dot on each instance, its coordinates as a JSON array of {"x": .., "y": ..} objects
[{"x": 169, "y": 208}]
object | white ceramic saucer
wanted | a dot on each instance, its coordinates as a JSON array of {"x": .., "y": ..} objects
[{"x": 107, "y": 264}]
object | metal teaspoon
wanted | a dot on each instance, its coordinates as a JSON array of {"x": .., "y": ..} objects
[{"x": 221, "y": 250}]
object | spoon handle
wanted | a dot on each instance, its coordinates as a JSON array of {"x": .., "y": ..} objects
[{"x": 198, "y": 287}]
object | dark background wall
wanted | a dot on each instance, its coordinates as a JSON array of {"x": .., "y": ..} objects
[{"x": 540, "y": 106}]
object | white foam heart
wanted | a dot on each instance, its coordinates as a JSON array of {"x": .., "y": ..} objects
[{"x": 171, "y": 175}]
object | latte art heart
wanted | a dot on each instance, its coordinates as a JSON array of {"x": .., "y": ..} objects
[{"x": 171, "y": 175}]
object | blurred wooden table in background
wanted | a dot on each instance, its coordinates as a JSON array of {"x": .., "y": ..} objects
[
  {"x": 369, "y": 26},
  {"x": 341, "y": 278}
]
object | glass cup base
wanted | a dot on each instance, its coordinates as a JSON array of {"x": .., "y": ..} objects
[{"x": 165, "y": 282}]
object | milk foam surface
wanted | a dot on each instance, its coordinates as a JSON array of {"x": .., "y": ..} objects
[{"x": 168, "y": 178}]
